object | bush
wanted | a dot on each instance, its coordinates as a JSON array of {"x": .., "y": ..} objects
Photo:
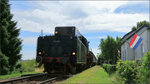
[
  {"x": 109, "y": 68},
  {"x": 146, "y": 61},
  {"x": 133, "y": 72},
  {"x": 144, "y": 70},
  {"x": 28, "y": 66},
  {"x": 128, "y": 71}
]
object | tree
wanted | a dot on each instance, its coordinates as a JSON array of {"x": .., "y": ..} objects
[
  {"x": 139, "y": 24},
  {"x": 109, "y": 48},
  {"x": 10, "y": 43},
  {"x": 4, "y": 69},
  {"x": 117, "y": 47}
]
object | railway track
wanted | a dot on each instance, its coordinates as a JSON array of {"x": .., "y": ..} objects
[
  {"x": 42, "y": 78},
  {"x": 51, "y": 80}
]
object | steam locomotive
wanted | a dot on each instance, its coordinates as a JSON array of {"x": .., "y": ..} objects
[{"x": 67, "y": 51}]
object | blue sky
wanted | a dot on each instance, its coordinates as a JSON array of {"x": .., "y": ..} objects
[
  {"x": 142, "y": 7},
  {"x": 94, "y": 19}
]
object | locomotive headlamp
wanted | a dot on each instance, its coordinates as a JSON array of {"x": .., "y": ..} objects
[
  {"x": 40, "y": 53},
  {"x": 73, "y": 53},
  {"x": 56, "y": 32}
]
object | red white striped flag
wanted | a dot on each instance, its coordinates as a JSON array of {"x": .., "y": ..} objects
[{"x": 136, "y": 40}]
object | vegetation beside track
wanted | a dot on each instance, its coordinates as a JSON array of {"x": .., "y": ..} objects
[
  {"x": 27, "y": 67},
  {"x": 15, "y": 75},
  {"x": 95, "y": 74},
  {"x": 30, "y": 66}
]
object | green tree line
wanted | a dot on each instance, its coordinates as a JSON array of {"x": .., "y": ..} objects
[
  {"x": 109, "y": 49},
  {"x": 10, "y": 43},
  {"x": 141, "y": 23}
]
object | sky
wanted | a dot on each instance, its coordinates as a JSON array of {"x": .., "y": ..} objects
[{"x": 94, "y": 19}]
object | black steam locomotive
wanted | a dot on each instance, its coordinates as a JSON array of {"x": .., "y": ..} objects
[{"x": 67, "y": 51}]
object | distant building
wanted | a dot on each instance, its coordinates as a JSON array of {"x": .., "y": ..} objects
[{"x": 128, "y": 53}]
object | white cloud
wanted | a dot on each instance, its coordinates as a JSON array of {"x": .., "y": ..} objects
[
  {"x": 102, "y": 6},
  {"x": 114, "y": 22},
  {"x": 28, "y": 55},
  {"x": 86, "y": 15},
  {"x": 29, "y": 41}
]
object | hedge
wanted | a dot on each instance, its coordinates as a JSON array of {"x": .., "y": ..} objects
[{"x": 109, "y": 68}]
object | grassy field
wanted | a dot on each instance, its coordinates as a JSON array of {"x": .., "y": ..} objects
[{"x": 95, "y": 74}]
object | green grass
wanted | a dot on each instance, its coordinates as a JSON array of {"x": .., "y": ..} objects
[
  {"x": 116, "y": 78},
  {"x": 2, "y": 77},
  {"x": 95, "y": 74},
  {"x": 28, "y": 67}
]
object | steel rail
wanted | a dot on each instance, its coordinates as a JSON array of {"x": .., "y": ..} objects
[
  {"x": 47, "y": 81},
  {"x": 21, "y": 78}
]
